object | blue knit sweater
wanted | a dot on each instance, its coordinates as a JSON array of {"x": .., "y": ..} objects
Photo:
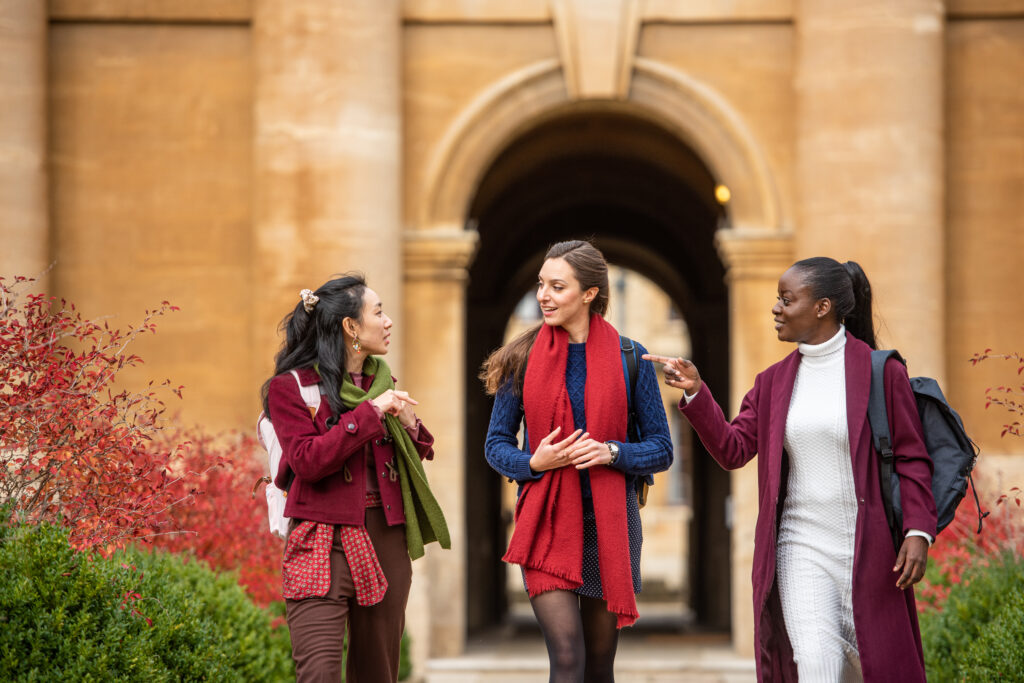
[{"x": 653, "y": 453}]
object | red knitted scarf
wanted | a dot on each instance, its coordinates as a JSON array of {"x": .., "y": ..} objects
[{"x": 548, "y": 537}]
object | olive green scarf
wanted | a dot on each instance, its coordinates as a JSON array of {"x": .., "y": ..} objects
[{"x": 424, "y": 520}]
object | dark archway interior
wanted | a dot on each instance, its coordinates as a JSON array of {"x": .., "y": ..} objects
[{"x": 648, "y": 203}]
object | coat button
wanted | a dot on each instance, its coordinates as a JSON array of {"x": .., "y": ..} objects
[
  {"x": 388, "y": 507},
  {"x": 350, "y": 425}
]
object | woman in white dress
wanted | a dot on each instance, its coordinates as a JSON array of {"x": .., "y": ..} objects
[{"x": 830, "y": 596}]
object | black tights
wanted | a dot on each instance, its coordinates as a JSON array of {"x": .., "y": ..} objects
[{"x": 580, "y": 635}]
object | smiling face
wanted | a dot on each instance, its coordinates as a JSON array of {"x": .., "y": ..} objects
[
  {"x": 562, "y": 301},
  {"x": 799, "y": 317},
  {"x": 373, "y": 328}
]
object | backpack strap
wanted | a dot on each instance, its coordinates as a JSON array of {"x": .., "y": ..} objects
[
  {"x": 310, "y": 394},
  {"x": 630, "y": 368},
  {"x": 311, "y": 397},
  {"x": 881, "y": 434}
]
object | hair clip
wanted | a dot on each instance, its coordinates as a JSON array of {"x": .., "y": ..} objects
[{"x": 309, "y": 299}]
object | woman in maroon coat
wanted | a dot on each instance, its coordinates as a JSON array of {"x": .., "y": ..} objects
[
  {"x": 831, "y": 598},
  {"x": 347, "y": 560}
]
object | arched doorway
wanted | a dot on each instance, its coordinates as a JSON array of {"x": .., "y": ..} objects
[{"x": 598, "y": 171}]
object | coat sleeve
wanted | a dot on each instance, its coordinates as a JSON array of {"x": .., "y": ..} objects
[
  {"x": 311, "y": 455},
  {"x": 424, "y": 442},
  {"x": 911, "y": 461},
  {"x": 732, "y": 444},
  {"x": 653, "y": 453}
]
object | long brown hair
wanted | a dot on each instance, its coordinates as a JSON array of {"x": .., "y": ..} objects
[{"x": 509, "y": 362}]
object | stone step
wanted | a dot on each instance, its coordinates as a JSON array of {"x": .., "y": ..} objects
[{"x": 669, "y": 659}]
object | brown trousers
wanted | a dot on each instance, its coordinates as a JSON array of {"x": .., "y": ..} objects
[{"x": 317, "y": 625}]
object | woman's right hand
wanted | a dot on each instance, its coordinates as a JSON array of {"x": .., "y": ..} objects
[
  {"x": 392, "y": 401},
  {"x": 553, "y": 455},
  {"x": 679, "y": 373}
]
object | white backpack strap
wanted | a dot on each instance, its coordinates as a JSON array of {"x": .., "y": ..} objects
[{"x": 310, "y": 393}]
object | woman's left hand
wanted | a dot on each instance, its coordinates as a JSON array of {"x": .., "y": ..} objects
[
  {"x": 407, "y": 416},
  {"x": 589, "y": 453},
  {"x": 912, "y": 559}
]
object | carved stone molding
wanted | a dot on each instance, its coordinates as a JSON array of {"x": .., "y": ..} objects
[
  {"x": 751, "y": 255},
  {"x": 438, "y": 254},
  {"x": 690, "y": 109}
]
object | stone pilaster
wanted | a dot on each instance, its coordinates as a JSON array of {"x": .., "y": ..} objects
[
  {"x": 24, "y": 213},
  {"x": 870, "y": 157},
  {"x": 327, "y": 161},
  {"x": 753, "y": 262},
  {"x": 435, "y": 281}
]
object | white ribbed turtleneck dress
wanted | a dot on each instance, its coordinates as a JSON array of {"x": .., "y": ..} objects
[{"x": 819, "y": 520}]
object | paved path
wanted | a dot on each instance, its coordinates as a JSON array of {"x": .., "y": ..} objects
[{"x": 642, "y": 658}]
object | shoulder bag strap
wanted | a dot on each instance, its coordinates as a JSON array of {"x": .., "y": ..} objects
[{"x": 881, "y": 434}]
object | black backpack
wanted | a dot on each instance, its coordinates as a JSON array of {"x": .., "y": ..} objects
[{"x": 953, "y": 453}]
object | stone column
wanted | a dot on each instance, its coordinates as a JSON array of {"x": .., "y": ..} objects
[
  {"x": 870, "y": 158},
  {"x": 24, "y": 211},
  {"x": 753, "y": 263},
  {"x": 327, "y": 166},
  {"x": 435, "y": 314}
]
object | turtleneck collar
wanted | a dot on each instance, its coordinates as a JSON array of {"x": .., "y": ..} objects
[{"x": 836, "y": 343}]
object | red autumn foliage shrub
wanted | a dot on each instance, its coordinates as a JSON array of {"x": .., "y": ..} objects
[
  {"x": 225, "y": 526},
  {"x": 959, "y": 546},
  {"x": 1008, "y": 397},
  {"x": 75, "y": 449}
]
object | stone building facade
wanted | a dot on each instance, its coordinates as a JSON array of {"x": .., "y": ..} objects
[{"x": 223, "y": 154}]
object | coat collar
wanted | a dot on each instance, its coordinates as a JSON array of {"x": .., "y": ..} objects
[
  {"x": 782, "y": 394},
  {"x": 307, "y": 376},
  {"x": 858, "y": 388}
]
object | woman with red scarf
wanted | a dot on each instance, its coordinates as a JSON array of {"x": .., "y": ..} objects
[{"x": 577, "y": 535}]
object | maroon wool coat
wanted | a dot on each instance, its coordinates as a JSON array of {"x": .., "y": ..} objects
[
  {"x": 885, "y": 618},
  {"x": 320, "y": 457}
]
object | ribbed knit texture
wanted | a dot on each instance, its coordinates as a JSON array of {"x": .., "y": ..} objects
[{"x": 819, "y": 519}]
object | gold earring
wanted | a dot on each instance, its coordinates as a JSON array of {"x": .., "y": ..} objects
[{"x": 356, "y": 345}]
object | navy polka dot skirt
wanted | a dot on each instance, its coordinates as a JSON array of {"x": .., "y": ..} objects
[{"x": 591, "y": 587}]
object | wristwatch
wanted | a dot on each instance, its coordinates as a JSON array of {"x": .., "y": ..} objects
[{"x": 614, "y": 448}]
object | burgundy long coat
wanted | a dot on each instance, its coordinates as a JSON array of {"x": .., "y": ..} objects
[{"x": 885, "y": 618}]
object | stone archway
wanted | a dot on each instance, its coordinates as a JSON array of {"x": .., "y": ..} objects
[
  {"x": 753, "y": 241},
  {"x": 596, "y": 170},
  {"x": 699, "y": 116}
]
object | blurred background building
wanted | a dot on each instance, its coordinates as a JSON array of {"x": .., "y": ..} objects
[{"x": 223, "y": 154}]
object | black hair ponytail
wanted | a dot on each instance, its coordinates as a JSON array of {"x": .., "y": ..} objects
[
  {"x": 847, "y": 287},
  {"x": 860, "y": 321}
]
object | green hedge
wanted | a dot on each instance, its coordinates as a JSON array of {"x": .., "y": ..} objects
[
  {"x": 65, "y": 616},
  {"x": 979, "y": 634}
]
